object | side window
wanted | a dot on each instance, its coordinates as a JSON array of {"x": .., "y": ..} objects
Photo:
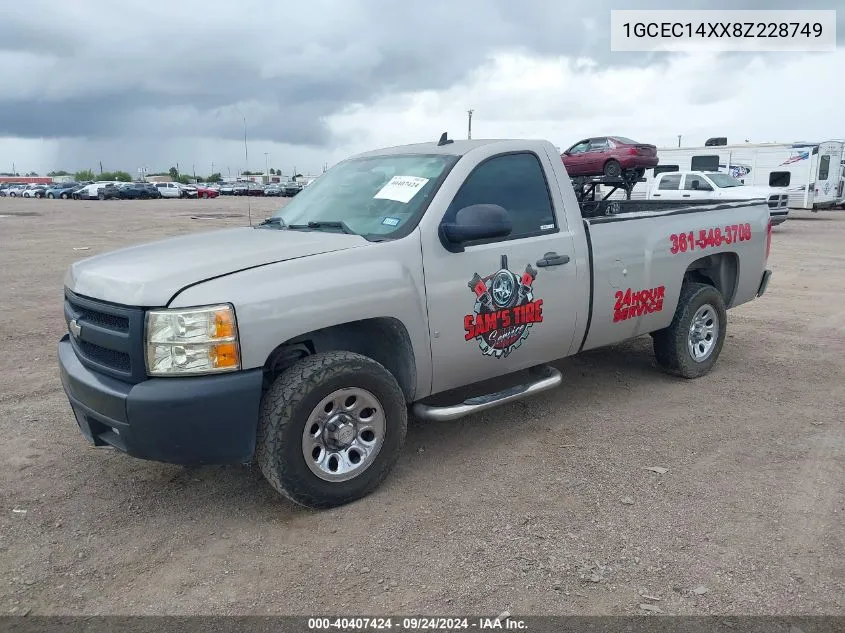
[
  {"x": 662, "y": 169},
  {"x": 824, "y": 167},
  {"x": 705, "y": 163},
  {"x": 671, "y": 182},
  {"x": 515, "y": 182},
  {"x": 599, "y": 145},
  {"x": 779, "y": 179},
  {"x": 702, "y": 185},
  {"x": 580, "y": 148}
]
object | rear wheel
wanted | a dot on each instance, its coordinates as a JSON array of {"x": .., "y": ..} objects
[
  {"x": 691, "y": 344},
  {"x": 331, "y": 429},
  {"x": 50, "y": 195},
  {"x": 612, "y": 169},
  {"x": 101, "y": 196}
]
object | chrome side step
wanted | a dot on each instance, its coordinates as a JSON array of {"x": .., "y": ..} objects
[{"x": 548, "y": 378}]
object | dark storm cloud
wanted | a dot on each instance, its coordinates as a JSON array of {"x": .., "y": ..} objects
[{"x": 198, "y": 68}]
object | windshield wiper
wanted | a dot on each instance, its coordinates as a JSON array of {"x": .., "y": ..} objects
[
  {"x": 324, "y": 224},
  {"x": 274, "y": 221}
]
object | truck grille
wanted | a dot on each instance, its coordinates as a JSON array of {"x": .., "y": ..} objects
[
  {"x": 778, "y": 201},
  {"x": 107, "y": 338}
]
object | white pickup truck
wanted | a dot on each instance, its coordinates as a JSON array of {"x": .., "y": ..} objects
[
  {"x": 399, "y": 275},
  {"x": 716, "y": 186}
]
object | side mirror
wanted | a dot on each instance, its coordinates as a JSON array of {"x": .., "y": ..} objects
[{"x": 476, "y": 222}]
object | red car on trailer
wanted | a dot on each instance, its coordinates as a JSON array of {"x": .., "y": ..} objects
[{"x": 609, "y": 156}]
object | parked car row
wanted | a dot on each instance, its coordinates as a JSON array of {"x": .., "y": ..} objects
[
  {"x": 104, "y": 190},
  {"x": 285, "y": 189},
  {"x": 107, "y": 190},
  {"x": 52, "y": 190}
]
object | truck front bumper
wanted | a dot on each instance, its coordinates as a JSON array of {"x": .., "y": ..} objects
[{"x": 186, "y": 420}]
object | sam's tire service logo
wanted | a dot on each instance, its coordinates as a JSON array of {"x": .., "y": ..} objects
[{"x": 504, "y": 310}]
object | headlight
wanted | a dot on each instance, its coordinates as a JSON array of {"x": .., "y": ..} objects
[{"x": 189, "y": 341}]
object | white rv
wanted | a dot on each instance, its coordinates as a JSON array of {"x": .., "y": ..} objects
[{"x": 810, "y": 173}]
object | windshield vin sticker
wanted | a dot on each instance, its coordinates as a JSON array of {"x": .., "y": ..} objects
[
  {"x": 401, "y": 188},
  {"x": 504, "y": 310}
]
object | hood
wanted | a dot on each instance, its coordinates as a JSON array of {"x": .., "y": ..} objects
[
  {"x": 750, "y": 191},
  {"x": 151, "y": 274}
]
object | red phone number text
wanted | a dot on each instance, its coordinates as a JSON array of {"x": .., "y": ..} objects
[{"x": 709, "y": 238}]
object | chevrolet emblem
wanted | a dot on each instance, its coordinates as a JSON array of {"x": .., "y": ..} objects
[{"x": 75, "y": 328}]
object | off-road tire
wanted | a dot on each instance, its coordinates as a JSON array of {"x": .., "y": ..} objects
[
  {"x": 285, "y": 408},
  {"x": 612, "y": 169},
  {"x": 670, "y": 344}
]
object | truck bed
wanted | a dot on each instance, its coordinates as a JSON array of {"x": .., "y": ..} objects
[{"x": 637, "y": 270}]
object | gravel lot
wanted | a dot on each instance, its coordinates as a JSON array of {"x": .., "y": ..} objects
[{"x": 520, "y": 508}]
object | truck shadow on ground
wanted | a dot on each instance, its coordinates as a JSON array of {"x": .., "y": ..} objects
[{"x": 211, "y": 490}]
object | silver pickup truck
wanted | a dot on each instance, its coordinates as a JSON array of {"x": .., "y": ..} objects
[{"x": 399, "y": 275}]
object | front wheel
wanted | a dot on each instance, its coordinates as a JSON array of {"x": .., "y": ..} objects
[
  {"x": 331, "y": 428},
  {"x": 693, "y": 341},
  {"x": 51, "y": 196}
]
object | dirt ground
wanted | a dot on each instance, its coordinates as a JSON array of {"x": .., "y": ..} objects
[{"x": 520, "y": 508}]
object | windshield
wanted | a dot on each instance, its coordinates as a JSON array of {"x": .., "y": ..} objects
[
  {"x": 375, "y": 195},
  {"x": 723, "y": 180}
]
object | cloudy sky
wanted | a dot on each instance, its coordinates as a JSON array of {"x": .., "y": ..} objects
[{"x": 157, "y": 83}]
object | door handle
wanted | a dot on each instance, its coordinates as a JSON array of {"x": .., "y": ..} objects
[
  {"x": 552, "y": 259},
  {"x": 656, "y": 195},
  {"x": 686, "y": 195}
]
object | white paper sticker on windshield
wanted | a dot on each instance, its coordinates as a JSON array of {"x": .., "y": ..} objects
[{"x": 401, "y": 188}]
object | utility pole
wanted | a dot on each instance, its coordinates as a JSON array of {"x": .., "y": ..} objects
[
  {"x": 101, "y": 167},
  {"x": 13, "y": 169},
  {"x": 194, "y": 169},
  {"x": 469, "y": 123},
  {"x": 267, "y": 165},
  {"x": 246, "y": 151},
  {"x": 212, "y": 168},
  {"x": 679, "y": 140}
]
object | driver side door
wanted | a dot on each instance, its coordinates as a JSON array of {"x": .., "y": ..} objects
[{"x": 504, "y": 304}]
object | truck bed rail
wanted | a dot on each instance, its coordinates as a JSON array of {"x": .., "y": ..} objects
[{"x": 609, "y": 210}]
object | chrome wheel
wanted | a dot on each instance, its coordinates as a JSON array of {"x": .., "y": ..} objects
[
  {"x": 343, "y": 434},
  {"x": 703, "y": 333}
]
